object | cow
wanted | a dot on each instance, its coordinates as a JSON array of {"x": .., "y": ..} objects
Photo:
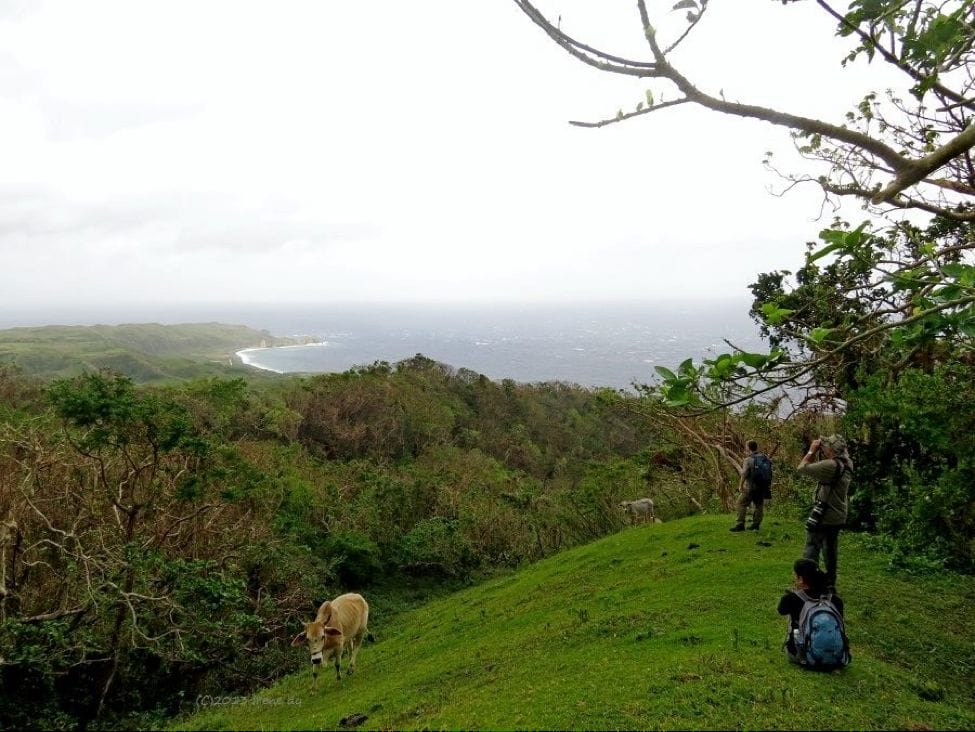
[
  {"x": 340, "y": 624},
  {"x": 640, "y": 509}
]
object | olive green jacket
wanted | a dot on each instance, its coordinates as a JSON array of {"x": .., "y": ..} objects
[{"x": 824, "y": 472}]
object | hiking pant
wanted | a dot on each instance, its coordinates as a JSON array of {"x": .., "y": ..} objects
[
  {"x": 827, "y": 540},
  {"x": 743, "y": 501}
]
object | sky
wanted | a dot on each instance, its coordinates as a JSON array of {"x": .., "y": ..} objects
[{"x": 324, "y": 151}]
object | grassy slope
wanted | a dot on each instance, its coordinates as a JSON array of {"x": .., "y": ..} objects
[
  {"x": 641, "y": 631},
  {"x": 145, "y": 351}
]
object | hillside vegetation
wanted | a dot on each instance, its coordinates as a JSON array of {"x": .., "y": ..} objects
[
  {"x": 162, "y": 543},
  {"x": 156, "y": 541},
  {"x": 145, "y": 352},
  {"x": 658, "y": 627}
]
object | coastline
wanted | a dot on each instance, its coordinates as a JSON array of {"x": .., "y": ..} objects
[{"x": 246, "y": 355}]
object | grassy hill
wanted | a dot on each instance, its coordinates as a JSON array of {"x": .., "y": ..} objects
[
  {"x": 145, "y": 352},
  {"x": 658, "y": 627}
]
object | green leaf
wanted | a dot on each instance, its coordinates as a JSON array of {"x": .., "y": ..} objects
[
  {"x": 948, "y": 292},
  {"x": 639, "y": 106},
  {"x": 853, "y": 238},
  {"x": 649, "y": 97},
  {"x": 723, "y": 367},
  {"x": 963, "y": 273},
  {"x": 828, "y": 249},
  {"x": 678, "y": 396},
  {"x": 686, "y": 368},
  {"x": 774, "y": 314},
  {"x": 816, "y": 335},
  {"x": 754, "y": 360},
  {"x": 910, "y": 279},
  {"x": 666, "y": 373},
  {"x": 833, "y": 236},
  {"x": 776, "y": 356}
]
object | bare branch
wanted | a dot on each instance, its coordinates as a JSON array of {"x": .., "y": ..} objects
[{"x": 629, "y": 115}]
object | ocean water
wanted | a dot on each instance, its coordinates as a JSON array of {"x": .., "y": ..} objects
[{"x": 590, "y": 344}]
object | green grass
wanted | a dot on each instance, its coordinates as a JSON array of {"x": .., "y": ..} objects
[{"x": 644, "y": 630}]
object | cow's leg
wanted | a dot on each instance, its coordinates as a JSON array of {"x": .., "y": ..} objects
[
  {"x": 353, "y": 646},
  {"x": 354, "y": 651}
]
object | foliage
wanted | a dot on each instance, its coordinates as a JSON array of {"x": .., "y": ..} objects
[
  {"x": 437, "y": 546},
  {"x": 881, "y": 326},
  {"x": 357, "y": 558},
  {"x": 104, "y": 524},
  {"x": 160, "y": 542},
  {"x": 917, "y": 456},
  {"x": 904, "y": 291}
]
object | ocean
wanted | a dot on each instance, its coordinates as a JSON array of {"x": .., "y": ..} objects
[{"x": 590, "y": 344}]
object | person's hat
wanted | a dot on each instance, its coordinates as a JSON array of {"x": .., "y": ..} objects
[{"x": 836, "y": 443}]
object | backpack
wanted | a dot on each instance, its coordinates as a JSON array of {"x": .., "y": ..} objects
[
  {"x": 761, "y": 476},
  {"x": 821, "y": 642}
]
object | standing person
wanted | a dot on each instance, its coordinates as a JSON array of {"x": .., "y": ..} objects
[
  {"x": 810, "y": 582},
  {"x": 754, "y": 487},
  {"x": 834, "y": 472}
]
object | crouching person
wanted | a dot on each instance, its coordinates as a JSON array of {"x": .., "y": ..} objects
[{"x": 816, "y": 636}]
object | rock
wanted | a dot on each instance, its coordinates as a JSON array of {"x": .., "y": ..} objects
[{"x": 353, "y": 720}]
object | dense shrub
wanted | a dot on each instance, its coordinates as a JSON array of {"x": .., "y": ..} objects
[
  {"x": 357, "y": 559},
  {"x": 159, "y": 543},
  {"x": 436, "y": 546},
  {"x": 915, "y": 480}
]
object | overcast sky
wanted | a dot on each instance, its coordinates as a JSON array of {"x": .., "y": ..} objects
[{"x": 332, "y": 150}]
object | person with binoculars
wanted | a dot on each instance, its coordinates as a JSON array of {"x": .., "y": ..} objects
[{"x": 828, "y": 463}]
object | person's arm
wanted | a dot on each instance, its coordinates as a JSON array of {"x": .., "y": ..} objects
[
  {"x": 807, "y": 458},
  {"x": 786, "y": 603},
  {"x": 745, "y": 470}
]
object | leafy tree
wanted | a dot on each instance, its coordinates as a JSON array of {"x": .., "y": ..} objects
[
  {"x": 111, "y": 552},
  {"x": 883, "y": 304},
  {"x": 916, "y": 457},
  {"x": 876, "y": 313}
]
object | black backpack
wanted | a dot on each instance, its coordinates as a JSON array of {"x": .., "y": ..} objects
[{"x": 761, "y": 476}]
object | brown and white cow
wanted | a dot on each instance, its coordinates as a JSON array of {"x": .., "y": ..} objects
[{"x": 340, "y": 624}]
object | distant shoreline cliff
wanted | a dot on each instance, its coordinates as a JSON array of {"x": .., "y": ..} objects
[{"x": 146, "y": 352}]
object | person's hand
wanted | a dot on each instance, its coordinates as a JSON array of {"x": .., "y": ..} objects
[{"x": 814, "y": 445}]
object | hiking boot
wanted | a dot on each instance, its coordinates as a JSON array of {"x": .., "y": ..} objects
[
  {"x": 737, "y": 528},
  {"x": 753, "y": 528}
]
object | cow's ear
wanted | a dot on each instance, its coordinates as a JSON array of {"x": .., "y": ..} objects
[
  {"x": 298, "y": 639},
  {"x": 329, "y": 630}
]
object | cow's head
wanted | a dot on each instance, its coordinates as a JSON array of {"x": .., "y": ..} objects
[{"x": 321, "y": 638}]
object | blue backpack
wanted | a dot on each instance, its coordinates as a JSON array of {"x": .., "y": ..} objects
[
  {"x": 821, "y": 643},
  {"x": 761, "y": 477}
]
